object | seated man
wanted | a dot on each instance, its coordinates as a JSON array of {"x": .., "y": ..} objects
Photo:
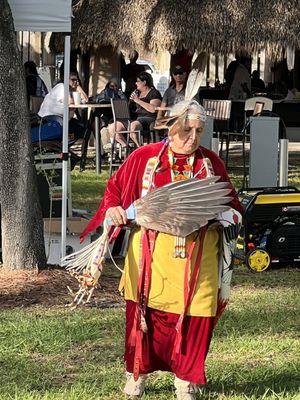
[
  {"x": 176, "y": 91},
  {"x": 147, "y": 99},
  {"x": 53, "y": 106}
]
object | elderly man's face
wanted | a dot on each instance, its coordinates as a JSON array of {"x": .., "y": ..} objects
[{"x": 186, "y": 139}]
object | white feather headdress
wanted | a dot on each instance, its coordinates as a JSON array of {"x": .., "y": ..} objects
[{"x": 179, "y": 110}]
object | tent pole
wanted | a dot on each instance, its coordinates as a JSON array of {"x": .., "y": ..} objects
[{"x": 65, "y": 151}]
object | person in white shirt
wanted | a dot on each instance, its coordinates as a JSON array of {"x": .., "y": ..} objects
[{"x": 52, "y": 107}]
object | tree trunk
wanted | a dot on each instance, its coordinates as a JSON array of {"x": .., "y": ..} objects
[{"x": 22, "y": 229}]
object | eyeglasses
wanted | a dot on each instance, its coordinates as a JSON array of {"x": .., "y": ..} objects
[
  {"x": 73, "y": 79},
  {"x": 178, "y": 73},
  {"x": 113, "y": 86}
]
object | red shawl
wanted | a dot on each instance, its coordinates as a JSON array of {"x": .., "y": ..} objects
[{"x": 125, "y": 186}]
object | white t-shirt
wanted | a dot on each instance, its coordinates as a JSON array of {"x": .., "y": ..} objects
[{"x": 53, "y": 103}]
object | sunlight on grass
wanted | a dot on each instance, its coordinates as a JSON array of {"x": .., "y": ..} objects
[
  {"x": 88, "y": 187},
  {"x": 58, "y": 354}
]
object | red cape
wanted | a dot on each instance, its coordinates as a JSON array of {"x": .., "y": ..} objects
[{"x": 125, "y": 186}]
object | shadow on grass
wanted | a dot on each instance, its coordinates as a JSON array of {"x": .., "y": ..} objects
[
  {"x": 260, "y": 320},
  {"x": 103, "y": 370}
]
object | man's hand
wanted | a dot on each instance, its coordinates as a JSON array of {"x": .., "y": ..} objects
[{"x": 117, "y": 215}]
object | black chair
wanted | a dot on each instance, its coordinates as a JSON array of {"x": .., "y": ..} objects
[
  {"x": 152, "y": 135},
  {"x": 120, "y": 111}
]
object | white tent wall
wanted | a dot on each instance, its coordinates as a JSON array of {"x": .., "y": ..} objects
[
  {"x": 41, "y": 15},
  {"x": 50, "y": 16}
]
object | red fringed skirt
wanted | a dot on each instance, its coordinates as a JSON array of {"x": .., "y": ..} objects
[{"x": 159, "y": 341}]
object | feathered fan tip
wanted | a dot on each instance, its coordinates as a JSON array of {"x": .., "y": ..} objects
[
  {"x": 86, "y": 266},
  {"x": 195, "y": 76}
]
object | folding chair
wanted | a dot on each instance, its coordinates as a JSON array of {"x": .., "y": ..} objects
[
  {"x": 85, "y": 143},
  {"x": 220, "y": 110},
  {"x": 120, "y": 112},
  {"x": 257, "y": 105},
  {"x": 152, "y": 135}
]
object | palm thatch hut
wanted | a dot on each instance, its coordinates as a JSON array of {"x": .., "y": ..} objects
[
  {"x": 219, "y": 26},
  {"x": 216, "y": 26}
]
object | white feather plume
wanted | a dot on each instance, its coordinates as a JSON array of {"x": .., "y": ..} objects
[{"x": 195, "y": 77}]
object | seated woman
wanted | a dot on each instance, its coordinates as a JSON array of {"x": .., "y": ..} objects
[
  {"x": 35, "y": 86},
  {"x": 111, "y": 91},
  {"x": 147, "y": 99}
]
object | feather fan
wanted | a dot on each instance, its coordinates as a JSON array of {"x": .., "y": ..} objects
[
  {"x": 182, "y": 207},
  {"x": 178, "y": 209}
]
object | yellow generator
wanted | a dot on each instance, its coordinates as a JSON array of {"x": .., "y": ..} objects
[{"x": 271, "y": 231}]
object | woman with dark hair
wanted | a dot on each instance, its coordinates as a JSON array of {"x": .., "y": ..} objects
[
  {"x": 147, "y": 99},
  {"x": 111, "y": 91},
  {"x": 176, "y": 91},
  {"x": 35, "y": 86}
]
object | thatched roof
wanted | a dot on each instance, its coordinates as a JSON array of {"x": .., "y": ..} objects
[{"x": 220, "y": 26}]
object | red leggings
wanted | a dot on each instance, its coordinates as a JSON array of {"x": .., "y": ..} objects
[{"x": 159, "y": 341}]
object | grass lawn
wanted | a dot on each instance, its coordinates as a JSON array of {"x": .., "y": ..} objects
[
  {"x": 49, "y": 352},
  {"x": 88, "y": 187},
  {"x": 53, "y": 353}
]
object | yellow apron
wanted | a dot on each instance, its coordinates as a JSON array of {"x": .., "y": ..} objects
[{"x": 167, "y": 279}]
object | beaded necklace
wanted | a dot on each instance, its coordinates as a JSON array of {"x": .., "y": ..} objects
[
  {"x": 180, "y": 172},
  {"x": 186, "y": 172}
]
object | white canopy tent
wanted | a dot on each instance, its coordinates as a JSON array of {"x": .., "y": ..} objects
[{"x": 50, "y": 16}]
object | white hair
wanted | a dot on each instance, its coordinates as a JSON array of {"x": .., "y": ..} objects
[{"x": 188, "y": 107}]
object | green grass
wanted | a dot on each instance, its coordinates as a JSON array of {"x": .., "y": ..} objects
[
  {"x": 53, "y": 353},
  {"x": 88, "y": 187}
]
